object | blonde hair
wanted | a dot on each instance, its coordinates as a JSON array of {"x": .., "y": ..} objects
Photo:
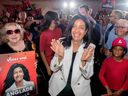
[{"x": 5, "y": 28}]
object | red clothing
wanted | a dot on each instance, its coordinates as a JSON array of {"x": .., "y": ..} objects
[
  {"x": 114, "y": 74},
  {"x": 45, "y": 42}
]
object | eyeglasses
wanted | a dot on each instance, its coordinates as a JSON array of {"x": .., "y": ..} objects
[
  {"x": 120, "y": 27},
  {"x": 111, "y": 16},
  {"x": 10, "y": 32}
]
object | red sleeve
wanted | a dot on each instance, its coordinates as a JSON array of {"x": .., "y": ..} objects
[
  {"x": 102, "y": 73},
  {"x": 42, "y": 42},
  {"x": 125, "y": 85}
]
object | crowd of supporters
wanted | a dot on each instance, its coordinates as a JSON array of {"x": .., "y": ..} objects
[{"x": 40, "y": 30}]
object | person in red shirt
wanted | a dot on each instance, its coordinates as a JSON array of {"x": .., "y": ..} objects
[
  {"x": 49, "y": 31},
  {"x": 114, "y": 70}
]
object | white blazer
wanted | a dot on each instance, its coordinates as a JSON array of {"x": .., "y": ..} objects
[{"x": 80, "y": 81}]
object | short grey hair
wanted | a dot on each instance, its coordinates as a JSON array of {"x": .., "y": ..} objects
[{"x": 118, "y": 13}]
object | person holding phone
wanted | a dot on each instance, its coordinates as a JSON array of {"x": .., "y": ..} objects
[{"x": 72, "y": 64}]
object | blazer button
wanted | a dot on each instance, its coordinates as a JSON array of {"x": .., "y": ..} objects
[
  {"x": 55, "y": 65},
  {"x": 78, "y": 83},
  {"x": 61, "y": 78}
]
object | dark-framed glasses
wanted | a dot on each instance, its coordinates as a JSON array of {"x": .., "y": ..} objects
[{"x": 16, "y": 31}]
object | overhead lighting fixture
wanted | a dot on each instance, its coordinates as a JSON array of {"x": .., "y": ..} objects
[
  {"x": 65, "y": 4},
  {"x": 72, "y": 4},
  {"x": 69, "y": 4}
]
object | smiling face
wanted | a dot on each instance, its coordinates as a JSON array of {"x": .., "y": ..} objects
[
  {"x": 78, "y": 30},
  {"x": 14, "y": 37},
  {"x": 118, "y": 52},
  {"x": 18, "y": 74},
  {"x": 122, "y": 28}
]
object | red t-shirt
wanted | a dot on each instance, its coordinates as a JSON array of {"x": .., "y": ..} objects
[
  {"x": 45, "y": 42},
  {"x": 114, "y": 74}
]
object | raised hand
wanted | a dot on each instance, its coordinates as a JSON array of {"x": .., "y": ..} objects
[
  {"x": 87, "y": 54},
  {"x": 58, "y": 48}
]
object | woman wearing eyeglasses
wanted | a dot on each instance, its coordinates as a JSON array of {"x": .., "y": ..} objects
[
  {"x": 12, "y": 38},
  {"x": 13, "y": 42}
]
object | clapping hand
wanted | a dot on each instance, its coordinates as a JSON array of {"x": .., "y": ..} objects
[
  {"x": 58, "y": 48},
  {"x": 87, "y": 54}
]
